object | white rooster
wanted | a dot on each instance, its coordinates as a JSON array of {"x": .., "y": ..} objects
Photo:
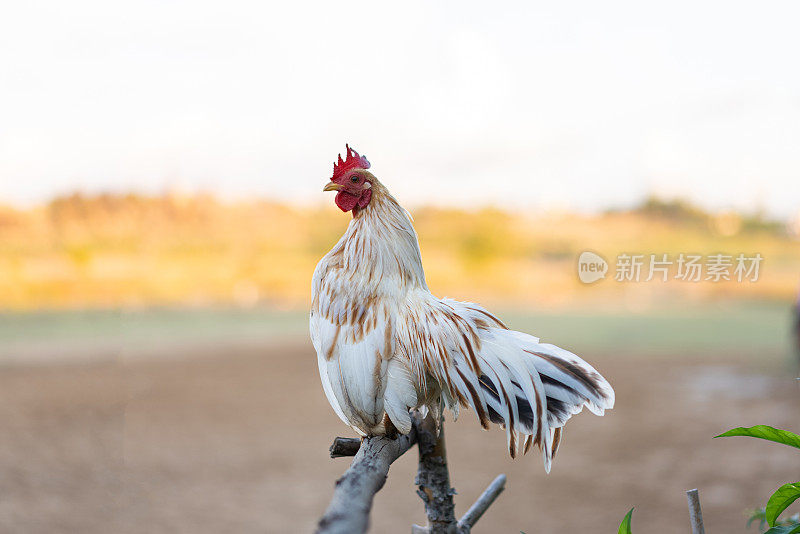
[{"x": 386, "y": 345}]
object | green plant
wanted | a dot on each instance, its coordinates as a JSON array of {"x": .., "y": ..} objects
[
  {"x": 783, "y": 496},
  {"x": 760, "y": 515},
  {"x": 625, "y": 526}
]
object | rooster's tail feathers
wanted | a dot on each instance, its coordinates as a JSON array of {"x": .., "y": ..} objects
[{"x": 529, "y": 388}]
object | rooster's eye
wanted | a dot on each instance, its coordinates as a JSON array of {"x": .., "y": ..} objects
[{"x": 354, "y": 178}]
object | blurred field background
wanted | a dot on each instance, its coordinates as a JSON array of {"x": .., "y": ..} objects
[
  {"x": 155, "y": 371},
  {"x": 132, "y": 251},
  {"x": 161, "y": 214}
]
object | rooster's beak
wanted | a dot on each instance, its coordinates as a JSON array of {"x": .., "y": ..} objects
[{"x": 332, "y": 186}]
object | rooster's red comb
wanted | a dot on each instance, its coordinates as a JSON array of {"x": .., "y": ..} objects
[{"x": 351, "y": 162}]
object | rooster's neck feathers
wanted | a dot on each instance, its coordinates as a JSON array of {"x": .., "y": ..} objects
[{"x": 380, "y": 246}]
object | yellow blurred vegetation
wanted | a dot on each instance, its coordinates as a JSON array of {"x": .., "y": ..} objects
[{"x": 133, "y": 251}]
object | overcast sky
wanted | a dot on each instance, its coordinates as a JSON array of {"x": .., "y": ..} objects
[{"x": 524, "y": 105}]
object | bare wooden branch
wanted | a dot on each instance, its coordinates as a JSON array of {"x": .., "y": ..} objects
[
  {"x": 475, "y": 511},
  {"x": 348, "y": 512},
  {"x": 349, "y": 509},
  {"x": 483, "y": 503},
  {"x": 433, "y": 478},
  {"x": 344, "y": 447},
  {"x": 695, "y": 514}
]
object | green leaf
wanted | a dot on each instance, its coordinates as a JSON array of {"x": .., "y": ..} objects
[
  {"x": 765, "y": 432},
  {"x": 759, "y": 515},
  {"x": 788, "y": 529},
  {"x": 625, "y": 526},
  {"x": 783, "y": 497}
]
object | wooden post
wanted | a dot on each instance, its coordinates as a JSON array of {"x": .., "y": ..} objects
[{"x": 695, "y": 514}]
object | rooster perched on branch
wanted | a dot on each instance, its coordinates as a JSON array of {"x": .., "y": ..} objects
[{"x": 385, "y": 345}]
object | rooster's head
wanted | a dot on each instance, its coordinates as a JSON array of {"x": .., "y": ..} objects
[{"x": 352, "y": 181}]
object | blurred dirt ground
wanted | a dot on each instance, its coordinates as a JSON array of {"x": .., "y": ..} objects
[{"x": 234, "y": 438}]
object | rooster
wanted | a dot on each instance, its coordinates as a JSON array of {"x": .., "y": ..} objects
[{"x": 385, "y": 345}]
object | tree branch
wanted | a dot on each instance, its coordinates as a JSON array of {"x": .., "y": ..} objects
[
  {"x": 434, "y": 486},
  {"x": 344, "y": 447},
  {"x": 483, "y": 503},
  {"x": 433, "y": 477},
  {"x": 349, "y": 509}
]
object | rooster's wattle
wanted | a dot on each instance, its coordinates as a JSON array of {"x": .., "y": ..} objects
[{"x": 385, "y": 345}]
